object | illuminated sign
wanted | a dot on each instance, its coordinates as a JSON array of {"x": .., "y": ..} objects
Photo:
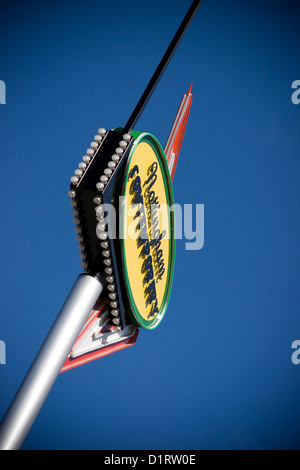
[
  {"x": 121, "y": 198},
  {"x": 148, "y": 247}
]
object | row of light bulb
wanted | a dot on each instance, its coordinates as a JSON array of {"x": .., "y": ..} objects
[{"x": 101, "y": 232}]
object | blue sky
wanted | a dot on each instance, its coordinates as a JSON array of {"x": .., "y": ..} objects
[{"x": 217, "y": 373}]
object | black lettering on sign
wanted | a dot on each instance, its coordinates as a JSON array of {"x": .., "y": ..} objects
[
  {"x": 143, "y": 241},
  {"x": 153, "y": 222}
]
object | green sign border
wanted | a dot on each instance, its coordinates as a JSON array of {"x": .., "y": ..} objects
[{"x": 133, "y": 312}]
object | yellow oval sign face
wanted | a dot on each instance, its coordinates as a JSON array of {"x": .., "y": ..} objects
[{"x": 148, "y": 232}]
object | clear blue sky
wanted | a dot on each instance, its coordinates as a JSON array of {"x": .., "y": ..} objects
[{"x": 217, "y": 373}]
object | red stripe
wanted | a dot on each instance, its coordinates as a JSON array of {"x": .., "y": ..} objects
[{"x": 92, "y": 356}]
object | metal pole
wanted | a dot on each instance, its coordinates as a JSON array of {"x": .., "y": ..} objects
[
  {"x": 48, "y": 363},
  {"x": 162, "y": 65}
]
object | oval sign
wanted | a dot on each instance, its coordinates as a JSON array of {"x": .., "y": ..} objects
[{"x": 148, "y": 245}]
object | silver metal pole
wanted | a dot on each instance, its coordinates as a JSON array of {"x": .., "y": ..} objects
[{"x": 48, "y": 363}]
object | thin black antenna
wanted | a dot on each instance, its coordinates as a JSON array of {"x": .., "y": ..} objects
[{"x": 162, "y": 66}]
